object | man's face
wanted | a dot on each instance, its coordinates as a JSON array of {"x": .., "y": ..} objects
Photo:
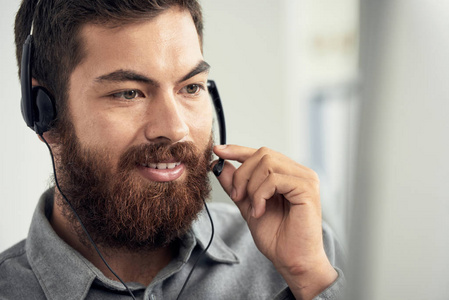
[
  {"x": 138, "y": 85},
  {"x": 134, "y": 162}
]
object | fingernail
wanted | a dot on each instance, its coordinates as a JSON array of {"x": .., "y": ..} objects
[
  {"x": 253, "y": 212},
  {"x": 220, "y": 147},
  {"x": 233, "y": 194}
]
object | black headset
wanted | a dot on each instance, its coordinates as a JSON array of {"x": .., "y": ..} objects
[
  {"x": 213, "y": 91},
  {"x": 37, "y": 104}
]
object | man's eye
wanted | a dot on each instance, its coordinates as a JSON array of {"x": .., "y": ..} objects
[
  {"x": 128, "y": 94},
  {"x": 192, "y": 89}
]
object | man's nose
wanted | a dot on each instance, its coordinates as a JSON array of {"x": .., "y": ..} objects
[{"x": 166, "y": 120}]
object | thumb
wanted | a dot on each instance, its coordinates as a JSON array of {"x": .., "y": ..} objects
[
  {"x": 226, "y": 176},
  {"x": 225, "y": 180}
]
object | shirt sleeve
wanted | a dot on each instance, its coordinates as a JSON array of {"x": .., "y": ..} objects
[{"x": 334, "y": 292}]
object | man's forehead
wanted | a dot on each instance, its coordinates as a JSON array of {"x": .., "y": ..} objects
[
  {"x": 165, "y": 24},
  {"x": 166, "y": 42}
]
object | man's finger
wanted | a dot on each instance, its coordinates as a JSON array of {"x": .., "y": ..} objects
[
  {"x": 295, "y": 190},
  {"x": 234, "y": 152}
]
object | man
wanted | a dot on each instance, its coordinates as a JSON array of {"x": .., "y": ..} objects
[{"x": 132, "y": 145}]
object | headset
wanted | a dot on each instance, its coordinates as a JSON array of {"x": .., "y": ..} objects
[
  {"x": 37, "y": 104},
  {"x": 213, "y": 91}
]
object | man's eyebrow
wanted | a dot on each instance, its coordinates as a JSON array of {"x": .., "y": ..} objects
[
  {"x": 125, "y": 75},
  {"x": 128, "y": 75},
  {"x": 201, "y": 67}
]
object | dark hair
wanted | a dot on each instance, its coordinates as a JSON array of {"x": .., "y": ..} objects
[{"x": 57, "y": 46}]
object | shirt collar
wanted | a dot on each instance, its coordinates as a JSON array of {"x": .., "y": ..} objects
[
  {"x": 58, "y": 268},
  {"x": 218, "y": 250},
  {"x": 62, "y": 272}
]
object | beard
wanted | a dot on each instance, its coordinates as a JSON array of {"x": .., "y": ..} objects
[{"x": 122, "y": 210}]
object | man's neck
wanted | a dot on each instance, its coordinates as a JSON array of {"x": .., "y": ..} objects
[{"x": 141, "y": 266}]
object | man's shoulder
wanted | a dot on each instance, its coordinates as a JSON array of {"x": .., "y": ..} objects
[
  {"x": 228, "y": 221},
  {"x": 12, "y": 254},
  {"x": 227, "y": 217},
  {"x": 16, "y": 276},
  {"x": 231, "y": 227}
]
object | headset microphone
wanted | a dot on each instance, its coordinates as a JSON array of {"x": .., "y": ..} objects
[{"x": 212, "y": 87}]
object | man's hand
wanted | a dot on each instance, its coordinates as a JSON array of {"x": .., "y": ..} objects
[{"x": 280, "y": 201}]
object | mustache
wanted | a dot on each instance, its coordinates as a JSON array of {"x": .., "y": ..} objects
[{"x": 185, "y": 152}]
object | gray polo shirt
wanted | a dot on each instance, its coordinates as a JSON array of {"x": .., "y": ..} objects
[{"x": 44, "y": 267}]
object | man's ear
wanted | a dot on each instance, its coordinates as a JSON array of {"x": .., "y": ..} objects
[{"x": 34, "y": 82}]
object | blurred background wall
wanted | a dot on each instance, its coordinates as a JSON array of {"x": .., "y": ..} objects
[
  {"x": 287, "y": 73},
  {"x": 25, "y": 164},
  {"x": 400, "y": 227}
]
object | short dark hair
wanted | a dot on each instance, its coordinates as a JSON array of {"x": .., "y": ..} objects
[{"x": 57, "y": 47}]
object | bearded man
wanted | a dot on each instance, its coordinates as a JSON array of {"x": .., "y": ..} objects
[{"x": 132, "y": 145}]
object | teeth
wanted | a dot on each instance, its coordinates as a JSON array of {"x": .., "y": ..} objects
[{"x": 162, "y": 166}]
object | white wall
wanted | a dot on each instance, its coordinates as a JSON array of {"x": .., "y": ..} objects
[
  {"x": 269, "y": 58},
  {"x": 24, "y": 162},
  {"x": 243, "y": 46},
  {"x": 401, "y": 221}
]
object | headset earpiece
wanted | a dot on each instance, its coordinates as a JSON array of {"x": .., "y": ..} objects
[
  {"x": 25, "y": 82},
  {"x": 37, "y": 104},
  {"x": 46, "y": 111}
]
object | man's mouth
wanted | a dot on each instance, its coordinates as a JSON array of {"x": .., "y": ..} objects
[
  {"x": 161, "y": 166},
  {"x": 162, "y": 172}
]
